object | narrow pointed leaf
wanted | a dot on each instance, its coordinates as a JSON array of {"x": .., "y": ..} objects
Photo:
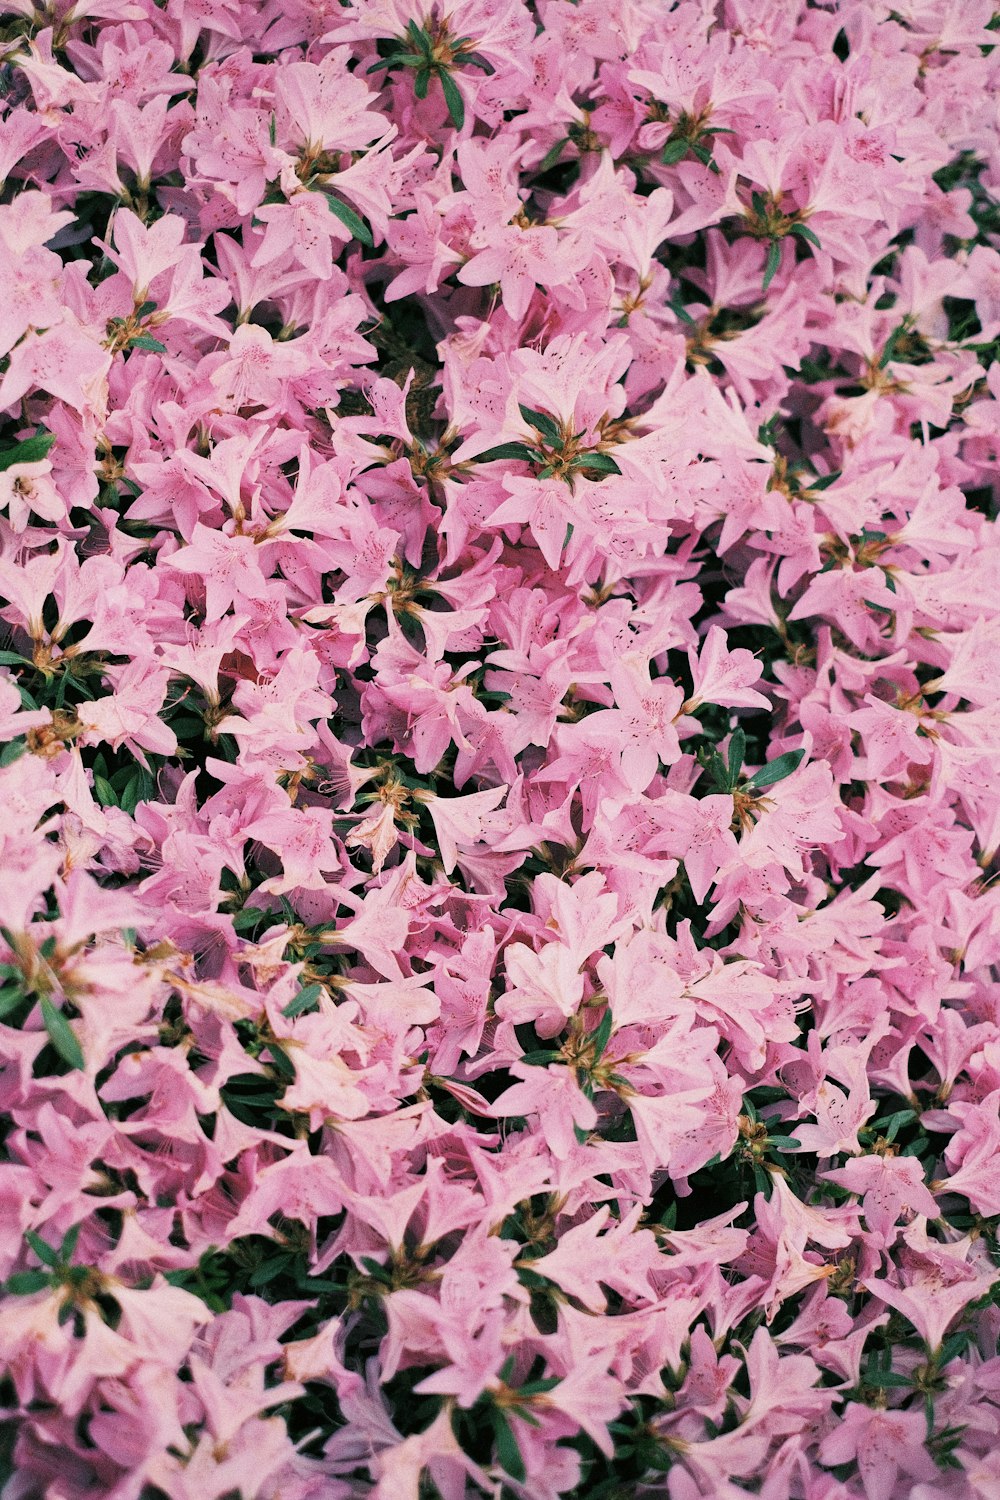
[
  {"x": 61, "y": 1034},
  {"x": 508, "y": 1453},
  {"x": 805, "y": 233},
  {"x": 778, "y": 769},
  {"x": 505, "y": 450},
  {"x": 453, "y": 98},
  {"x": 598, "y": 463},
  {"x": 772, "y": 263},
  {"x": 306, "y": 999},
  {"x": 45, "y": 1253},
  {"x": 31, "y": 451},
  {"x": 350, "y": 220},
  {"x": 737, "y": 750},
  {"x": 541, "y": 423}
]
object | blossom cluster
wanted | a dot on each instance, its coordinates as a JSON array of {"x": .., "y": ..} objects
[{"x": 500, "y": 716}]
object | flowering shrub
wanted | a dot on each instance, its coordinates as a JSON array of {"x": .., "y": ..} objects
[{"x": 499, "y": 635}]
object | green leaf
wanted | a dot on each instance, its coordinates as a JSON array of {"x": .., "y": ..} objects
[
  {"x": 12, "y": 751},
  {"x": 758, "y": 205},
  {"x": 805, "y": 233},
  {"x": 143, "y": 341},
  {"x": 603, "y": 1033},
  {"x": 31, "y": 451},
  {"x": 538, "y": 1059},
  {"x": 61, "y": 1034},
  {"x": 553, "y": 154},
  {"x": 145, "y": 308},
  {"x": 784, "y": 1142},
  {"x": 673, "y": 152},
  {"x": 45, "y": 1253},
  {"x": 539, "y": 1387},
  {"x": 772, "y": 263},
  {"x": 505, "y": 450},
  {"x": 453, "y": 98},
  {"x": 886, "y": 1377},
  {"x": 598, "y": 463},
  {"x": 953, "y": 1346},
  {"x": 23, "y": 1283},
  {"x": 350, "y": 220},
  {"x": 12, "y": 658},
  {"x": 11, "y": 996},
  {"x": 778, "y": 769},
  {"x": 68, "y": 1245},
  {"x": 393, "y": 61},
  {"x": 890, "y": 345},
  {"x": 737, "y": 750},
  {"x": 418, "y": 36},
  {"x": 704, "y": 155},
  {"x": 824, "y": 481},
  {"x": 474, "y": 60},
  {"x": 542, "y": 423},
  {"x": 422, "y": 82},
  {"x": 508, "y": 1453},
  {"x": 306, "y": 999},
  {"x": 679, "y": 310},
  {"x": 720, "y": 775},
  {"x": 105, "y": 792}
]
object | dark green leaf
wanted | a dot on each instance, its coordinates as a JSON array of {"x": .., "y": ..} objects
[
  {"x": 453, "y": 98},
  {"x": 805, "y": 233},
  {"x": 393, "y": 61},
  {"x": 953, "y": 1346},
  {"x": 11, "y": 996},
  {"x": 23, "y": 1283},
  {"x": 886, "y": 1377},
  {"x": 418, "y": 36},
  {"x": 890, "y": 345},
  {"x": 784, "y": 1142},
  {"x": 824, "y": 481},
  {"x": 508, "y": 1453},
  {"x": 61, "y": 1034},
  {"x": 673, "y": 151},
  {"x": 12, "y": 751},
  {"x": 599, "y": 463},
  {"x": 143, "y": 341},
  {"x": 542, "y": 423},
  {"x": 421, "y": 82},
  {"x": 505, "y": 450},
  {"x": 350, "y": 220},
  {"x": 778, "y": 769},
  {"x": 306, "y": 999},
  {"x": 45, "y": 1253},
  {"x": 737, "y": 750},
  {"x": 474, "y": 60},
  {"x": 539, "y": 1387},
  {"x": 12, "y": 659},
  {"x": 145, "y": 308},
  {"x": 720, "y": 775},
  {"x": 104, "y": 792},
  {"x": 538, "y": 1059},
  {"x": 31, "y": 451},
  {"x": 602, "y": 1034},
  {"x": 772, "y": 263},
  {"x": 553, "y": 154},
  {"x": 68, "y": 1245}
]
